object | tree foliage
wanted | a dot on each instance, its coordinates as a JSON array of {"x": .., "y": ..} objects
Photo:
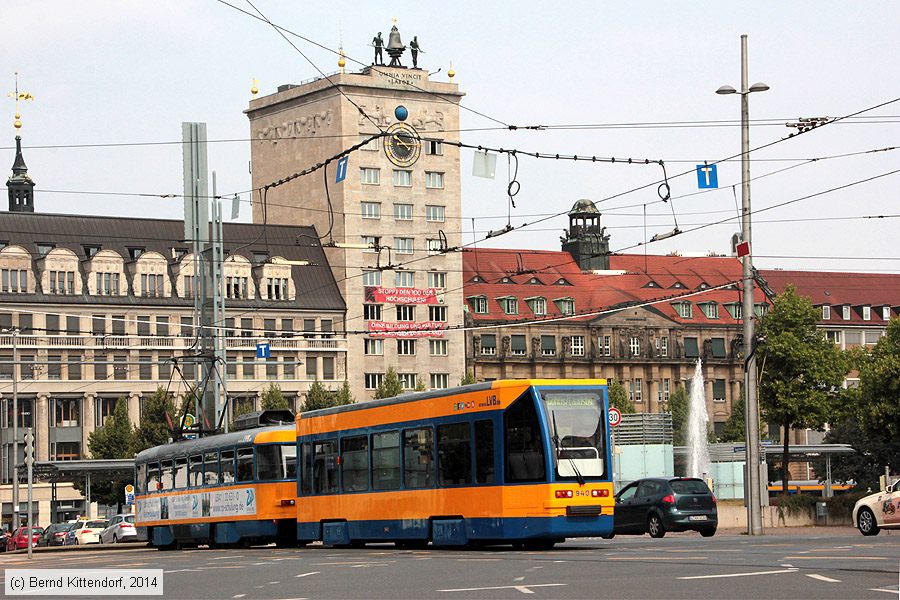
[
  {"x": 802, "y": 371},
  {"x": 157, "y": 416},
  {"x": 420, "y": 385},
  {"x": 618, "y": 398},
  {"x": 273, "y": 399},
  {"x": 468, "y": 378},
  {"x": 733, "y": 431},
  {"x": 344, "y": 395},
  {"x": 319, "y": 397},
  {"x": 390, "y": 386},
  {"x": 678, "y": 406},
  {"x": 116, "y": 439}
]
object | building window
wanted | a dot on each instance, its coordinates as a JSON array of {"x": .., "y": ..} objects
[
  {"x": 434, "y": 213},
  {"x": 276, "y": 288},
  {"x": 151, "y": 285},
  {"x": 328, "y": 371},
  {"x": 718, "y": 347},
  {"x": 188, "y": 286},
  {"x": 14, "y": 281},
  {"x": 846, "y": 312},
  {"x": 435, "y": 147},
  {"x": 370, "y": 210},
  {"x": 402, "y": 178},
  {"x": 634, "y": 344},
  {"x": 403, "y": 245},
  {"x": 236, "y": 287},
  {"x": 826, "y": 312},
  {"x": 566, "y": 306},
  {"x": 437, "y": 347},
  {"x": 75, "y": 361},
  {"x": 371, "y": 278},
  {"x": 440, "y": 381},
  {"x": 509, "y": 305},
  {"x": 62, "y": 282},
  {"x": 518, "y": 345},
  {"x": 834, "y": 336},
  {"x": 662, "y": 347},
  {"x": 54, "y": 366},
  {"x": 761, "y": 310},
  {"x": 369, "y": 176},
  {"x": 691, "y": 348},
  {"x": 406, "y": 312},
  {"x": 372, "y": 312},
  {"x": 479, "y": 305},
  {"x": 435, "y": 247},
  {"x": 710, "y": 309},
  {"x": 662, "y": 393},
  {"x": 577, "y": 345},
  {"x": 437, "y": 279},
  {"x": 107, "y": 284},
  {"x": 403, "y": 212},
  {"x": 684, "y": 309},
  {"x": 408, "y": 380},
  {"x": 404, "y": 278},
  {"x": 538, "y": 306},
  {"x": 548, "y": 345},
  {"x": 371, "y": 242},
  {"x": 437, "y": 313},
  {"x": 65, "y": 412},
  {"x": 735, "y": 309},
  {"x": 406, "y": 347},
  {"x": 66, "y": 451},
  {"x": 870, "y": 338},
  {"x": 867, "y": 313},
  {"x": 103, "y": 409},
  {"x": 718, "y": 390},
  {"x": 886, "y": 313},
  {"x": 606, "y": 345},
  {"x": 489, "y": 344},
  {"x": 434, "y": 180},
  {"x": 637, "y": 395}
]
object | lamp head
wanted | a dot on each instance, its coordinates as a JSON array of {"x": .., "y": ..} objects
[
  {"x": 758, "y": 87},
  {"x": 726, "y": 89}
]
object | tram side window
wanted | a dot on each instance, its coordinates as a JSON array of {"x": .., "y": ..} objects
[
  {"x": 245, "y": 464},
  {"x": 325, "y": 473},
  {"x": 195, "y": 471},
  {"x": 211, "y": 468},
  {"x": 305, "y": 477},
  {"x": 165, "y": 477},
  {"x": 140, "y": 478},
  {"x": 454, "y": 454},
  {"x": 386, "y": 461},
  {"x": 268, "y": 463},
  {"x": 524, "y": 446},
  {"x": 181, "y": 478},
  {"x": 418, "y": 458},
  {"x": 153, "y": 477},
  {"x": 226, "y": 467},
  {"x": 355, "y": 463},
  {"x": 484, "y": 451},
  {"x": 289, "y": 460}
]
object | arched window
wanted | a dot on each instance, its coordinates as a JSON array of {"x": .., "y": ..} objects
[{"x": 16, "y": 276}]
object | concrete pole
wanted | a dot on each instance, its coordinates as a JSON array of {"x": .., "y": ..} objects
[
  {"x": 15, "y": 444},
  {"x": 29, "y": 465},
  {"x": 751, "y": 404}
]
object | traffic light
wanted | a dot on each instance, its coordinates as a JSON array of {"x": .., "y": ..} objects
[{"x": 29, "y": 447}]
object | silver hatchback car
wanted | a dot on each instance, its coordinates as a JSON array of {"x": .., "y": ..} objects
[{"x": 119, "y": 529}]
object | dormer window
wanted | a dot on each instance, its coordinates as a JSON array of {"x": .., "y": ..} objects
[
  {"x": 90, "y": 251},
  {"x": 506, "y": 280},
  {"x": 565, "y": 305},
  {"x": 651, "y": 284},
  {"x": 846, "y": 312},
  {"x": 62, "y": 282},
  {"x": 476, "y": 279},
  {"x": 538, "y": 305},
  {"x": 479, "y": 304},
  {"x": 509, "y": 304},
  {"x": 237, "y": 287},
  {"x": 260, "y": 257},
  {"x": 826, "y": 312},
  {"x": 684, "y": 309},
  {"x": 107, "y": 284},
  {"x": 761, "y": 309},
  {"x": 886, "y": 313},
  {"x": 710, "y": 309},
  {"x": 678, "y": 285},
  {"x": 135, "y": 253},
  {"x": 735, "y": 309},
  {"x": 152, "y": 285},
  {"x": 561, "y": 281},
  {"x": 704, "y": 285},
  {"x": 178, "y": 253},
  {"x": 534, "y": 281},
  {"x": 867, "y": 313},
  {"x": 45, "y": 248},
  {"x": 14, "y": 281}
]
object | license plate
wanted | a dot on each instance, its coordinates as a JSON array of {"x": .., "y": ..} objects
[{"x": 698, "y": 518}]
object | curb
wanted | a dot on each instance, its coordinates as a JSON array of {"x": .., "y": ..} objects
[{"x": 82, "y": 548}]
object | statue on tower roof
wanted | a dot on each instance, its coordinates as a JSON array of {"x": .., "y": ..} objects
[
  {"x": 395, "y": 47},
  {"x": 378, "y": 42}
]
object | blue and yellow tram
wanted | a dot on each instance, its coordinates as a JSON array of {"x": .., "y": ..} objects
[
  {"x": 525, "y": 462},
  {"x": 233, "y": 488}
]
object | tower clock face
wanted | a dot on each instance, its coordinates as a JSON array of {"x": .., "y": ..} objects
[{"x": 402, "y": 145}]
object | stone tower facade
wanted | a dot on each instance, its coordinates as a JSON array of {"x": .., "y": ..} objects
[
  {"x": 586, "y": 239},
  {"x": 383, "y": 215},
  {"x": 20, "y": 185}
]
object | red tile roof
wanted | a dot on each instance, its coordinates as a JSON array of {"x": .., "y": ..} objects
[{"x": 510, "y": 273}]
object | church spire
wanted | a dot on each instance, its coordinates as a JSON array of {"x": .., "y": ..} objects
[{"x": 20, "y": 185}]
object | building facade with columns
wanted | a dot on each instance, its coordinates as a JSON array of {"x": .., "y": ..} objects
[{"x": 385, "y": 227}]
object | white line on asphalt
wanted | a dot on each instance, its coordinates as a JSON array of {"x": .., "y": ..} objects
[
  {"x": 228, "y": 556},
  {"x": 823, "y": 578},
  {"x": 882, "y": 590},
  {"x": 519, "y": 579},
  {"x": 521, "y": 588},
  {"x": 788, "y": 565},
  {"x": 184, "y": 571},
  {"x": 740, "y": 574},
  {"x": 307, "y": 574},
  {"x": 239, "y": 595}
]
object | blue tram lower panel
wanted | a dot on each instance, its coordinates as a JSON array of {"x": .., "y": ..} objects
[
  {"x": 492, "y": 529},
  {"x": 225, "y": 533}
]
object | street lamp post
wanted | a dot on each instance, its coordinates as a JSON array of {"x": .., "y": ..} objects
[
  {"x": 751, "y": 402},
  {"x": 14, "y": 332}
]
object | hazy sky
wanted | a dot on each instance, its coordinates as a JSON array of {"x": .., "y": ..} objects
[{"x": 123, "y": 72}]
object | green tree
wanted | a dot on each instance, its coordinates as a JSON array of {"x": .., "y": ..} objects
[
  {"x": 734, "y": 426},
  {"x": 317, "y": 397},
  {"x": 618, "y": 398},
  {"x": 678, "y": 406},
  {"x": 116, "y": 439},
  {"x": 273, "y": 398},
  {"x": 344, "y": 395},
  {"x": 801, "y": 370},
  {"x": 420, "y": 384},
  {"x": 156, "y": 416},
  {"x": 468, "y": 378},
  {"x": 390, "y": 386}
]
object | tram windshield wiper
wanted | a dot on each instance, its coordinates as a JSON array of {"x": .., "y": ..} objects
[{"x": 578, "y": 476}]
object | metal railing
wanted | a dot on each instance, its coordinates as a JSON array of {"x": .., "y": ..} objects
[{"x": 128, "y": 342}]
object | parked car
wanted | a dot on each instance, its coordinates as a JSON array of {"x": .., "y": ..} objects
[
  {"x": 119, "y": 529},
  {"x": 55, "y": 535},
  {"x": 878, "y": 511},
  {"x": 658, "y": 505},
  {"x": 19, "y": 538},
  {"x": 4, "y": 535},
  {"x": 85, "y": 532}
]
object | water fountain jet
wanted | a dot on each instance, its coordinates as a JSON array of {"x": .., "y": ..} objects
[{"x": 697, "y": 426}]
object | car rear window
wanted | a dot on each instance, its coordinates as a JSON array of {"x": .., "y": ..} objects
[
  {"x": 130, "y": 518},
  {"x": 94, "y": 524},
  {"x": 689, "y": 486}
]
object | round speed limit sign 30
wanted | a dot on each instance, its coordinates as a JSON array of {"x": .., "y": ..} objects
[{"x": 615, "y": 416}]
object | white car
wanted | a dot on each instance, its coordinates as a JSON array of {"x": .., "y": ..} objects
[
  {"x": 878, "y": 511},
  {"x": 87, "y": 532},
  {"x": 119, "y": 529}
]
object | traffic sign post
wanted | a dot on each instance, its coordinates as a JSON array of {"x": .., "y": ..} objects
[
  {"x": 129, "y": 494},
  {"x": 615, "y": 416},
  {"x": 341, "y": 173},
  {"x": 707, "y": 177},
  {"x": 29, "y": 464},
  {"x": 262, "y": 350}
]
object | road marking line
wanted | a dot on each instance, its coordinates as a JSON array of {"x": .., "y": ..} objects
[
  {"x": 740, "y": 574},
  {"x": 882, "y": 590},
  {"x": 823, "y": 578},
  {"x": 521, "y": 588},
  {"x": 308, "y": 574},
  {"x": 837, "y": 557},
  {"x": 239, "y": 595},
  {"x": 184, "y": 571},
  {"x": 519, "y": 579},
  {"x": 655, "y": 559},
  {"x": 788, "y": 565}
]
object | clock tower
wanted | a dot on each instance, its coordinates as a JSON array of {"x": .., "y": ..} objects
[{"x": 386, "y": 225}]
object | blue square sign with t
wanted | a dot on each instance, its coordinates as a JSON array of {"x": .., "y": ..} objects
[
  {"x": 707, "y": 177},
  {"x": 262, "y": 350},
  {"x": 341, "y": 173}
]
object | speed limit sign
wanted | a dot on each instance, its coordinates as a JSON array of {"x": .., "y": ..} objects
[{"x": 615, "y": 416}]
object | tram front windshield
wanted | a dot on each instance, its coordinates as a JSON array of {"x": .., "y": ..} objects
[{"x": 578, "y": 429}]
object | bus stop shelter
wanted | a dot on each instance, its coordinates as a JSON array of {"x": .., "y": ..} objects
[{"x": 81, "y": 470}]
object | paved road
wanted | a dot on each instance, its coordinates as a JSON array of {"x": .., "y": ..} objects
[{"x": 809, "y": 564}]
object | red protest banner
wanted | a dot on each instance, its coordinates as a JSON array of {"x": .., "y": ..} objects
[
  {"x": 397, "y": 295},
  {"x": 406, "y": 329}
]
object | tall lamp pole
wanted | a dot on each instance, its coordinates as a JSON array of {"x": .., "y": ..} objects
[{"x": 751, "y": 402}]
